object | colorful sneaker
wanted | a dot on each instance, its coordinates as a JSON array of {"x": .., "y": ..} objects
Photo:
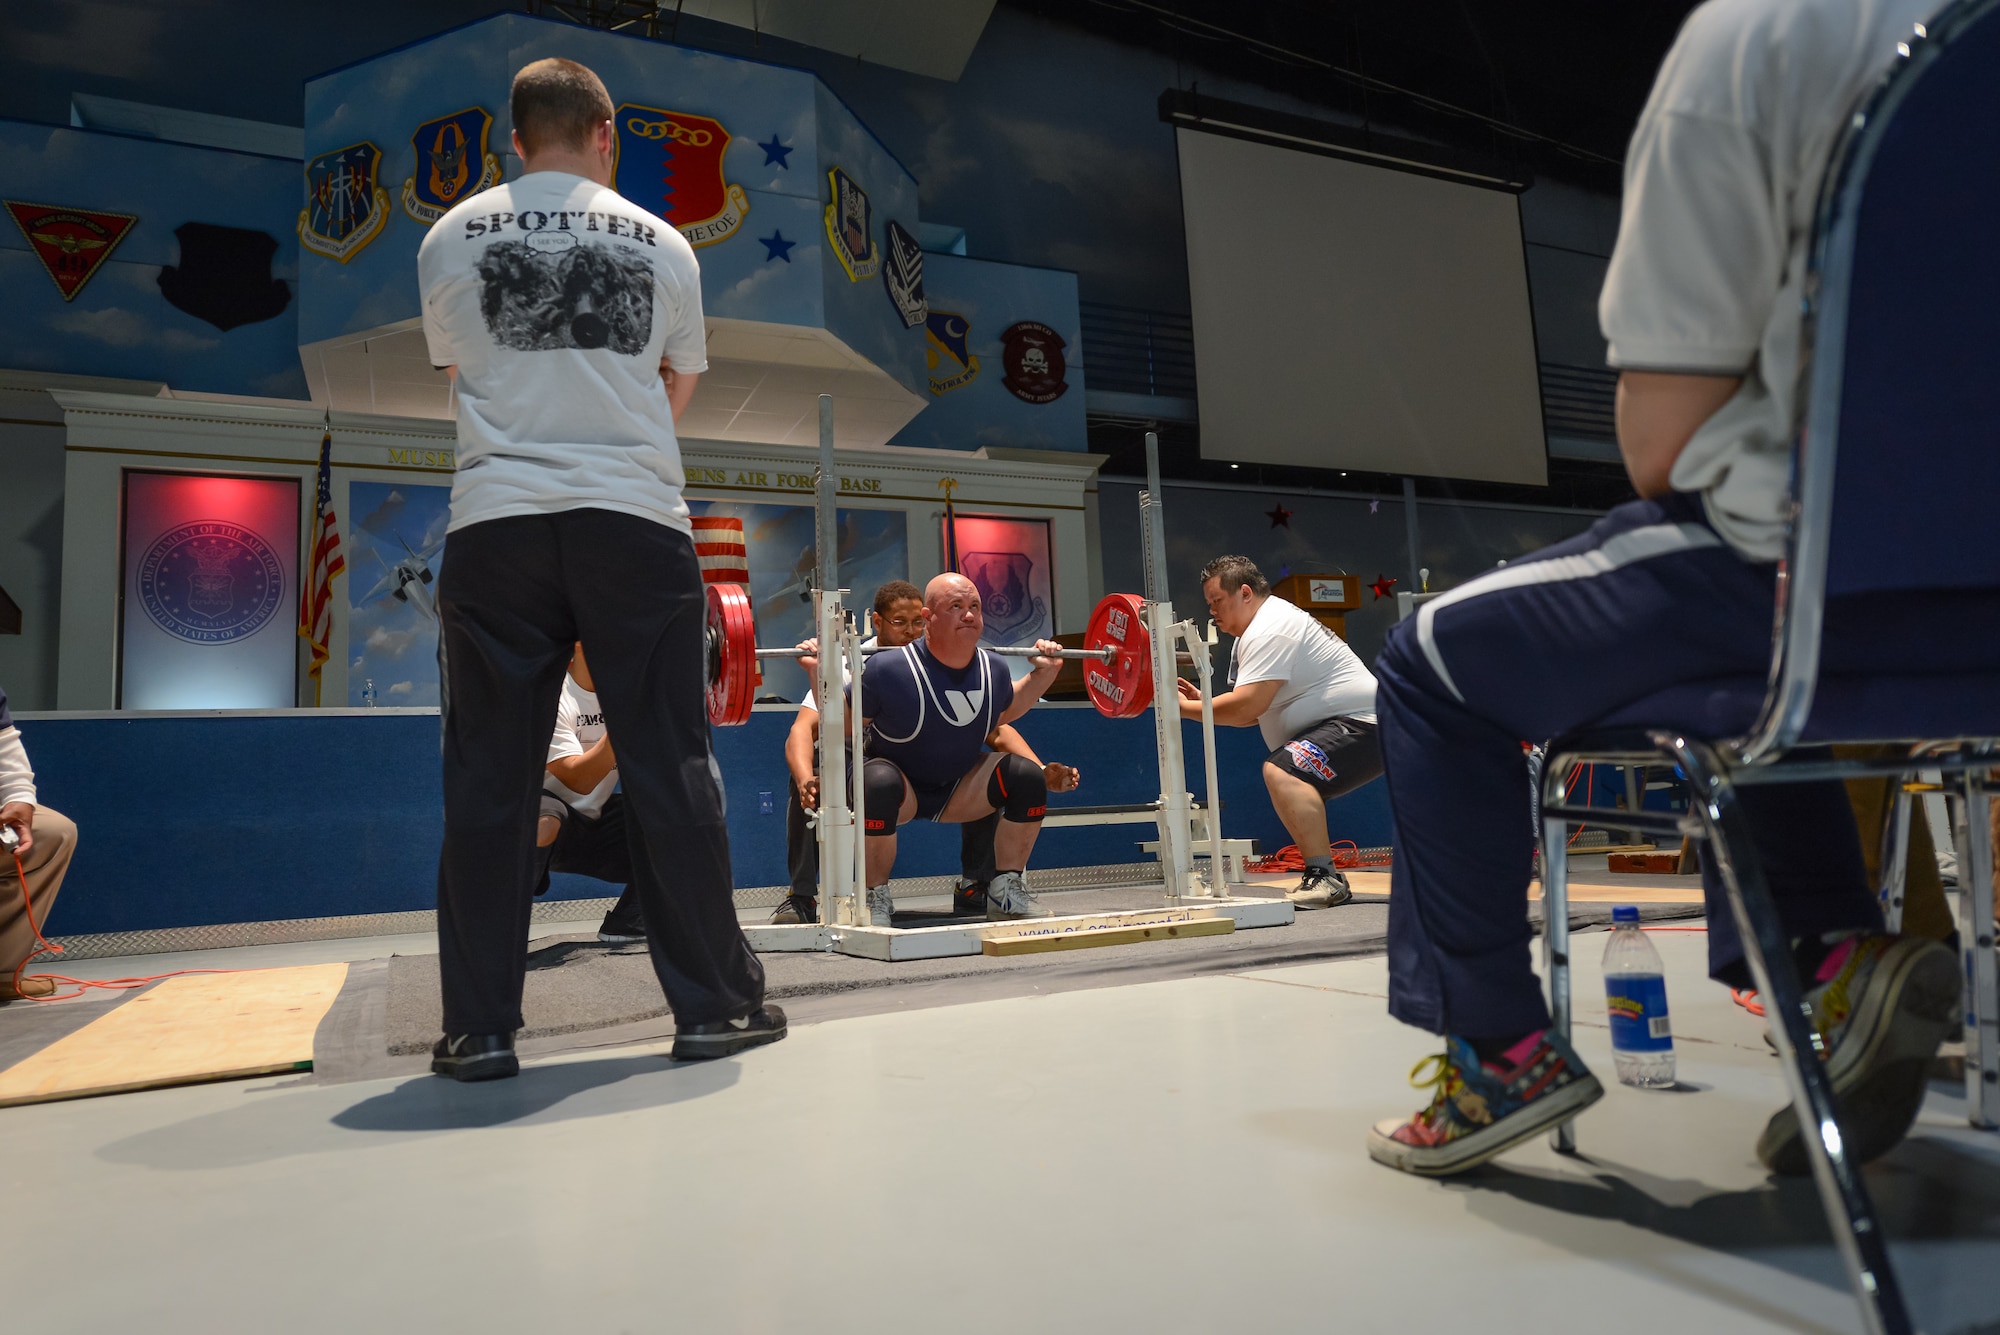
[
  {"x": 1319, "y": 888},
  {"x": 1882, "y": 1005},
  {"x": 795, "y": 910},
  {"x": 1481, "y": 1111},
  {"x": 968, "y": 899}
]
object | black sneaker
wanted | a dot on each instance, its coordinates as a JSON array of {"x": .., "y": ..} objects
[
  {"x": 726, "y": 1038},
  {"x": 1319, "y": 889},
  {"x": 796, "y": 909},
  {"x": 622, "y": 933},
  {"x": 475, "y": 1057},
  {"x": 968, "y": 899}
]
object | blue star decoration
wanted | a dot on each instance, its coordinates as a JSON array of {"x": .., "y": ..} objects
[
  {"x": 1374, "y": 507},
  {"x": 777, "y": 248},
  {"x": 776, "y": 152}
]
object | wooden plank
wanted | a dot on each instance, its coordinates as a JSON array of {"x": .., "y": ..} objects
[
  {"x": 185, "y": 1030},
  {"x": 1106, "y": 936}
]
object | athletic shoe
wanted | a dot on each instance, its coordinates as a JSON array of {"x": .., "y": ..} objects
[
  {"x": 1882, "y": 1005},
  {"x": 725, "y": 1038},
  {"x": 622, "y": 933},
  {"x": 1007, "y": 897},
  {"x": 1479, "y": 1111},
  {"x": 471, "y": 1057},
  {"x": 1319, "y": 888},
  {"x": 795, "y": 910},
  {"x": 881, "y": 906},
  {"x": 33, "y": 987},
  {"x": 968, "y": 899}
]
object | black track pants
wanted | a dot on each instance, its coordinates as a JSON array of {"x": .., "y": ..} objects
[{"x": 514, "y": 596}]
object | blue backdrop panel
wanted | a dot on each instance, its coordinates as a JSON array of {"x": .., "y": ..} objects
[{"x": 192, "y": 821}]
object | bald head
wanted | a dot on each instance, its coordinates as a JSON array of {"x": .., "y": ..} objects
[
  {"x": 940, "y": 591},
  {"x": 953, "y": 620}
]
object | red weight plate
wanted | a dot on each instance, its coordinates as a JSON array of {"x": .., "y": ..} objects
[
  {"x": 732, "y": 637},
  {"x": 1123, "y": 687}
]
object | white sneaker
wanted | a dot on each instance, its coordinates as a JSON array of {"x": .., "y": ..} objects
[
  {"x": 1318, "y": 889},
  {"x": 1007, "y": 897},
  {"x": 880, "y": 906}
]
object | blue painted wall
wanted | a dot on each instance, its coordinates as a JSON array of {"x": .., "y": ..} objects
[
  {"x": 118, "y": 323},
  {"x": 192, "y": 821},
  {"x": 991, "y": 298}
]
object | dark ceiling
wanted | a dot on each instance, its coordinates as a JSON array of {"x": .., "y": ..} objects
[{"x": 1554, "y": 84}]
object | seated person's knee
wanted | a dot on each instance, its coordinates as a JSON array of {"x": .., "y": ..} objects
[
  {"x": 882, "y": 796},
  {"x": 1018, "y": 789}
]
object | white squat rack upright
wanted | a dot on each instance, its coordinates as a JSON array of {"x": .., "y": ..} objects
[{"x": 1195, "y": 905}]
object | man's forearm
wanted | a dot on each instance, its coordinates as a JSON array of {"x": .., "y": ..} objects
[
  {"x": 582, "y": 773},
  {"x": 799, "y": 748},
  {"x": 1231, "y": 710},
  {"x": 1009, "y": 742}
]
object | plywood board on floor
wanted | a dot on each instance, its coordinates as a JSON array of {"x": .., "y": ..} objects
[
  {"x": 1597, "y": 887},
  {"x": 184, "y": 1030}
]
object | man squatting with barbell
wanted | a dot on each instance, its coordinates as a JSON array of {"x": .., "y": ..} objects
[
  {"x": 928, "y": 708},
  {"x": 1313, "y": 698},
  {"x": 897, "y": 619}
]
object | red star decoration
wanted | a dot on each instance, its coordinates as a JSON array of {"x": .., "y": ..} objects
[
  {"x": 1382, "y": 585},
  {"x": 1280, "y": 517}
]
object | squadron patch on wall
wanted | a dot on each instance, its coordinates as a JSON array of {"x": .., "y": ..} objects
[
  {"x": 346, "y": 206},
  {"x": 452, "y": 164},
  {"x": 671, "y": 163},
  {"x": 1032, "y": 355},
  {"x": 946, "y": 333},
  {"x": 224, "y": 276},
  {"x": 847, "y": 219},
  {"x": 70, "y": 243},
  {"x": 903, "y": 275}
]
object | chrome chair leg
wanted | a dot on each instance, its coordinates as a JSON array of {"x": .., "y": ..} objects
[
  {"x": 1857, "y": 1233},
  {"x": 1895, "y": 857},
  {"x": 1555, "y": 931},
  {"x": 1975, "y": 932}
]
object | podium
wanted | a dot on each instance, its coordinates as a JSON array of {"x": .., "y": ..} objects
[{"x": 1327, "y": 598}]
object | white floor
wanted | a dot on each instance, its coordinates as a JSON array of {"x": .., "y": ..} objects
[{"x": 1179, "y": 1156}]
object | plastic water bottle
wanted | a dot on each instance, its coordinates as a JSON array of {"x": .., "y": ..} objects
[
  {"x": 1635, "y": 988},
  {"x": 368, "y": 693}
]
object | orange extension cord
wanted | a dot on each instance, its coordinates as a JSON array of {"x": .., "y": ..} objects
[
  {"x": 1346, "y": 857},
  {"x": 83, "y": 985}
]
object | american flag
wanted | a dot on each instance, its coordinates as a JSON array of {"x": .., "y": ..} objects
[{"x": 316, "y": 598}]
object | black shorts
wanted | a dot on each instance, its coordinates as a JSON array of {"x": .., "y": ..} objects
[
  {"x": 1335, "y": 756},
  {"x": 933, "y": 798}
]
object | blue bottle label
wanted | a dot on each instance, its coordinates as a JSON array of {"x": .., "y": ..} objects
[{"x": 1638, "y": 1004}]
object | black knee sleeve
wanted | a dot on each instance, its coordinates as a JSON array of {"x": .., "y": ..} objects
[
  {"x": 1018, "y": 789},
  {"x": 881, "y": 796}
]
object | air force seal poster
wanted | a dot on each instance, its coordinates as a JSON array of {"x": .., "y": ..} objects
[
  {"x": 453, "y": 163},
  {"x": 670, "y": 163},
  {"x": 211, "y": 592}
]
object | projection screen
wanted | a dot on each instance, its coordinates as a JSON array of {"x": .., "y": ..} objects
[{"x": 1353, "y": 316}]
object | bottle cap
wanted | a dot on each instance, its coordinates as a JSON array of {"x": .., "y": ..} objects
[{"x": 1625, "y": 913}]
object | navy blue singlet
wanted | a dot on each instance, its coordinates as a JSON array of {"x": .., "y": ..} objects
[{"x": 929, "y": 719}]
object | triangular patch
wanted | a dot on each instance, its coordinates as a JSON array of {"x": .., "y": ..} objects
[{"x": 71, "y": 243}]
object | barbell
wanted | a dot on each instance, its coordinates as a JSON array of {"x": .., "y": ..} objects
[{"x": 1117, "y": 650}]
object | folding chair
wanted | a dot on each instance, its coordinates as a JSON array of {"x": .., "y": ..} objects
[{"x": 1888, "y": 610}]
